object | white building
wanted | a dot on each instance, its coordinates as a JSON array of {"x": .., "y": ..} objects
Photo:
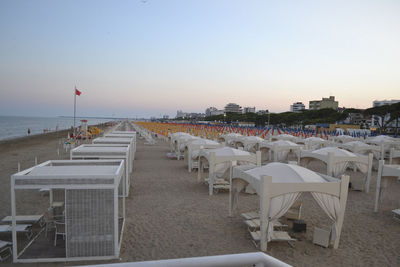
[
  {"x": 376, "y": 121},
  {"x": 297, "y": 107},
  {"x": 180, "y": 114},
  {"x": 262, "y": 112},
  {"x": 210, "y": 110},
  {"x": 232, "y": 107},
  {"x": 217, "y": 112},
  {"x": 249, "y": 110}
]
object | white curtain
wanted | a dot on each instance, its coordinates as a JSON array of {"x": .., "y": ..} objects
[
  {"x": 278, "y": 207},
  {"x": 339, "y": 168},
  {"x": 331, "y": 205}
]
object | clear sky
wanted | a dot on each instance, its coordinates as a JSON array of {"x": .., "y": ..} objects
[{"x": 146, "y": 58}]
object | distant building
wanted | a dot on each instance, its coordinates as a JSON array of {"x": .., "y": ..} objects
[
  {"x": 324, "y": 103},
  {"x": 217, "y": 112},
  {"x": 232, "y": 107},
  {"x": 358, "y": 119},
  {"x": 165, "y": 117},
  {"x": 249, "y": 110},
  {"x": 210, "y": 110},
  {"x": 297, "y": 107},
  {"x": 376, "y": 121},
  {"x": 180, "y": 114}
]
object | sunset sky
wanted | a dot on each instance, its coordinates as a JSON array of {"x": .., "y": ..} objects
[{"x": 149, "y": 58}]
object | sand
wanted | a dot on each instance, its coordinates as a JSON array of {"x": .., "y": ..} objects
[{"x": 170, "y": 215}]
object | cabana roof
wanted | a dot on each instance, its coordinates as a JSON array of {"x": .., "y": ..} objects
[
  {"x": 226, "y": 152},
  {"x": 337, "y": 152},
  {"x": 203, "y": 141},
  {"x": 105, "y": 140},
  {"x": 281, "y": 143}
]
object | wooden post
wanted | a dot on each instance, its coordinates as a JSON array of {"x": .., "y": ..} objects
[
  {"x": 264, "y": 211},
  {"x": 344, "y": 188}
]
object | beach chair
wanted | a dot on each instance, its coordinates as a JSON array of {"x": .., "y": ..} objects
[
  {"x": 275, "y": 236},
  {"x": 5, "y": 250},
  {"x": 25, "y": 219},
  {"x": 60, "y": 230},
  {"x": 253, "y": 225},
  {"x": 20, "y": 228},
  {"x": 396, "y": 214}
]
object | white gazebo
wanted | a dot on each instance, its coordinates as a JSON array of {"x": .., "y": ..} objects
[
  {"x": 123, "y": 134},
  {"x": 386, "y": 174},
  {"x": 252, "y": 143},
  {"x": 118, "y": 141},
  {"x": 192, "y": 150},
  {"x": 93, "y": 215},
  {"x": 313, "y": 142},
  {"x": 173, "y": 139},
  {"x": 363, "y": 148},
  {"x": 338, "y": 160},
  {"x": 287, "y": 137},
  {"x": 219, "y": 161},
  {"x": 181, "y": 143},
  {"x": 106, "y": 151},
  {"x": 279, "y": 150},
  {"x": 343, "y": 139},
  {"x": 279, "y": 185}
]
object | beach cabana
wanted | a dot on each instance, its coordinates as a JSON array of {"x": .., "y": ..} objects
[
  {"x": 93, "y": 215},
  {"x": 338, "y": 160},
  {"x": 118, "y": 141},
  {"x": 286, "y": 137},
  {"x": 106, "y": 151},
  {"x": 313, "y": 142},
  {"x": 174, "y": 140},
  {"x": 387, "y": 174},
  {"x": 278, "y": 150},
  {"x": 181, "y": 144},
  {"x": 192, "y": 150},
  {"x": 231, "y": 139},
  {"x": 343, "y": 139},
  {"x": 219, "y": 161},
  {"x": 279, "y": 185},
  {"x": 394, "y": 156},
  {"x": 252, "y": 143},
  {"x": 363, "y": 148}
]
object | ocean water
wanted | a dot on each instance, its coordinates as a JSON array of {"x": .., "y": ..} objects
[{"x": 13, "y": 126}]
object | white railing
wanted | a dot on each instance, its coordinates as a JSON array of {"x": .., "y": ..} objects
[{"x": 257, "y": 259}]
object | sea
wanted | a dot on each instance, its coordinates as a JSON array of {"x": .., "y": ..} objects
[{"x": 15, "y": 126}]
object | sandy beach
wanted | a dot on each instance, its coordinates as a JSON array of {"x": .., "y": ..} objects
[{"x": 170, "y": 215}]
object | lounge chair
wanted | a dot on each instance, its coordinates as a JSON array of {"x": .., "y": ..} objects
[
  {"x": 294, "y": 213},
  {"x": 5, "y": 250},
  {"x": 396, "y": 214},
  {"x": 25, "y": 219},
  {"x": 20, "y": 228},
  {"x": 60, "y": 230},
  {"x": 275, "y": 236}
]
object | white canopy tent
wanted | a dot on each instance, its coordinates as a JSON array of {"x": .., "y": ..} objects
[
  {"x": 93, "y": 218},
  {"x": 386, "y": 174},
  {"x": 123, "y": 134},
  {"x": 287, "y": 137},
  {"x": 313, "y": 142},
  {"x": 192, "y": 150},
  {"x": 343, "y": 138},
  {"x": 279, "y": 150},
  {"x": 219, "y": 161},
  {"x": 181, "y": 144},
  {"x": 252, "y": 143},
  {"x": 338, "y": 161},
  {"x": 279, "y": 185},
  {"x": 119, "y": 141},
  {"x": 230, "y": 139},
  {"x": 363, "y": 148},
  {"x": 106, "y": 151},
  {"x": 174, "y": 140}
]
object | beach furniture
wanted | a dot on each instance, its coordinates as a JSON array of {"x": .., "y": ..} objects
[
  {"x": 5, "y": 250},
  {"x": 118, "y": 141},
  {"x": 94, "y": 215},
  {"x": 25, "y": 219},
  {"x": 219, "y": 161},
  {"x": 287, "y": 137},
  {"x": 338, "y": 160},
  {"x": 19, "y": 228},
  {"x": 60, "y": 231},
  {"x": 279, "y": 185},
  {"x": 278, "y": 150},
  {"x": 192, "y": 149},
  {"x": 252, "y": 143},
  {"x": 107, "y": 151},
  {"x": 312, "y": 143},
  {"x": 394, "y": 157},
  {"x": 387, "y": 174},
  {"x": 359, "y": 147},
  {"x": 396, "y": 214}
]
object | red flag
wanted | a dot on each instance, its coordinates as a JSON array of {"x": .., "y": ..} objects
[{"x": 77, "y": 92}]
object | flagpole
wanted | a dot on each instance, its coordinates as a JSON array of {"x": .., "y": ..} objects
[{"x": 74, "y": 112}]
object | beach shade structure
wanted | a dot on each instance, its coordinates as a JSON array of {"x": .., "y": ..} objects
[
  {"x": 219, "y": 162},
  {"x": 343, "y": 139},
  {"x": 279, "y": 185},
  {"x": 388, "y": 175},
  {"x": 312, "y": 143},
  {"x": 338, "y": 160},
  {"x": 286, "y": 137},
  {"x": 231, "y": 139},
  {"x": 359, "y": 147},
  {"x": 252, "y": 143},
  {"x": 278, "y": 150},
  {"x": 394, "y": 157},
  {"x": 181, "y": 143},
  {"x": 173, "y": 139},
  {"x": 126, "y": 134},
  {"x": 385, "y": 141},
  {"x": 118, "y": 141},
  {"x": 93, "y": 215},
  {"x": 192, "y": 149},
  {"x": 106, "y": 151}
]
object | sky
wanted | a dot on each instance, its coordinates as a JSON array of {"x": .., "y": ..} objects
[{"x": 142, "y": 58}]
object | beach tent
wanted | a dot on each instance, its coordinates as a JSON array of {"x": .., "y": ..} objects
[
  {"x": 174, "y": 140},
  {"x": 279, "y": 185},
  {"x": 363, "y": 148},
  {"x": 123, "y": 134},
  {"x": 231, "y": 139},
  {"x": 338, "y": 160},
  {"x": 387, "y": 174},
  {"x": 181, "y": 144},
  {"x": 313, "y": 142},
  {"x": 286, "y": 137},
  {"x": 278, "y": 150},
  {"x": 252, "y": 143},
  {"x": 192, "y": 150},
  {"x": 219, "y": 161},
  {"x": 93, "y": 215},
  {"x": 107, "y": 151},
  {"x": 119, "y": 141},
  {"x": 343, "y": 139},
  {"x": 394, "y": 156}
]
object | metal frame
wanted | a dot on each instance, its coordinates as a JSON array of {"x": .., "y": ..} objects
[
  {"x": 193, "y": 147},
  {"x": 24, "y": 175},
  {"x": 118, "y": 141},
  {"x": 384, "y": 171}
]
